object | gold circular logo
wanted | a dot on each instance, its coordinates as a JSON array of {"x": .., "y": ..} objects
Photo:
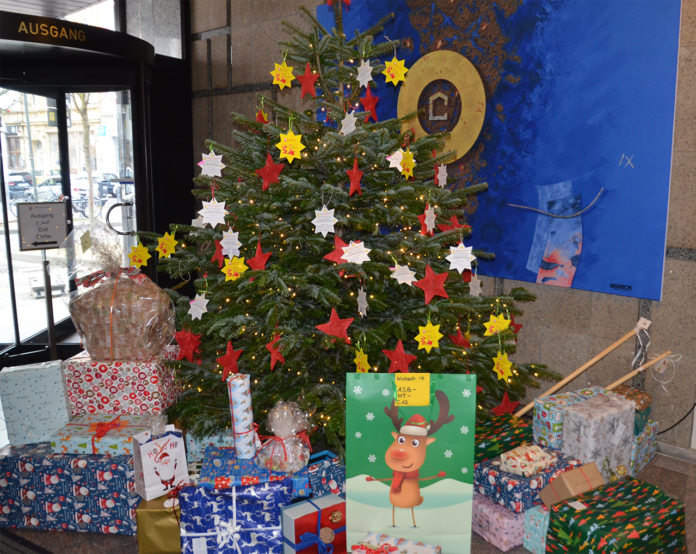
[
  {"x": 450, "y": 91},
  {"x": 327, "y": 535},
  {"x": 621, "y": 470}
]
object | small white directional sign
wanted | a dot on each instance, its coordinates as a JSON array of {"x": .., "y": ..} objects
[{"x": 42, "y": 225}]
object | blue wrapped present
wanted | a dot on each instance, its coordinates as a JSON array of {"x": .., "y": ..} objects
[
  {"x": 221, "y": 470},
  {"x": 238, "y": 520},
  {"x": 326, "y": 474},
  {"x": 516, "y": 492},
  {"x": 66, "y": 492},
  {"x": 195, "y": 448}
]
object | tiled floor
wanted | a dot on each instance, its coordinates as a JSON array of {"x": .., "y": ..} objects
[{"x": 676, "y": 477}]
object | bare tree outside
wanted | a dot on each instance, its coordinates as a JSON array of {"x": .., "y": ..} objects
[{"x": 82, "y": 108}]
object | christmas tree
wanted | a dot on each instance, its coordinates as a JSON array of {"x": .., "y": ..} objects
[{"x": 330, "y": 244}]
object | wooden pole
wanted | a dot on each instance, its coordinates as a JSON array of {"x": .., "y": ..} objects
[
  {"x": 637, "y": 371},
  {"x": 580, "y": 370}
]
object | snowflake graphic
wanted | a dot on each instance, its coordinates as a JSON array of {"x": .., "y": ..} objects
[
  {"x": 448, "y": 453},
  {"x": 465, "y": 470},
  {"x": 385, "y": 392},
  {"x": 358, "y": 435},
  {"x": 372, "y": 458},
  {"x": 370, "y": 416},
  {"x": 464, "y": 429},
  {"x": 466, "y": 393},
  {"x": 357, "y": 390}
]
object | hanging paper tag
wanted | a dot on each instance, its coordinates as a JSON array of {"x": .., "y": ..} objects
[
  {"x": 620, "y": 429},
  {"x": 412, "y": 389},
  {"x": 577, "y": 505},
  {"x": 199, "y": 545},
  {"x": 86, "y": 241}
]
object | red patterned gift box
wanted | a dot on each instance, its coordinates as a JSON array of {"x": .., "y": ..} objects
[
  {"x": 120, "y": 387},
  {"x": 310, "y": 526}
]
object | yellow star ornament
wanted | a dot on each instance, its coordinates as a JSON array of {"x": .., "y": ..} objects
[
  {"x": 429, "y": 337},
  {"x": 282, "y": 75},
  {"x": 496, "y": 325},
  {"x": 395, "y": 71},
  {"x": 407, "y": 164},
  {"x": 139, "y": 255},
  {"x": 166, "y": 245},
  {"x": 290, "y": 146},
  {"x": 234, "y": 268},
  {"x": 361, "y": 363},
  {"x": 502, "y": 366}
]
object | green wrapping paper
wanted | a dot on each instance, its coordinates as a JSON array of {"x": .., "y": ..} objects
[
  {"x": 158, "y": 527},
  {"x": 499, "y": 435},
  {"x": 626, "y": 516}
]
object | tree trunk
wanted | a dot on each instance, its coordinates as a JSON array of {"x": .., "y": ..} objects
[{"x": 82, "y": 109}]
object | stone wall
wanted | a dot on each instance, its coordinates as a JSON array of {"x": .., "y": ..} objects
[{"x": 234, "y": 46}]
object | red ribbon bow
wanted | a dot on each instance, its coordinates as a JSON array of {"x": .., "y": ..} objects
[
  {"x": 93, "y": 278},
  {"x": 102, "y": 429}
]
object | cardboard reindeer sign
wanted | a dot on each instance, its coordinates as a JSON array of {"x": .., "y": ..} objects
[{"x": 409, "y": 464}]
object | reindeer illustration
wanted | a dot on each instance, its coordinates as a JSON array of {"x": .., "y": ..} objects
[{"x": 406, "y": 455}]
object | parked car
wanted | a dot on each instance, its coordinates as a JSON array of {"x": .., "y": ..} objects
[
  {"x": 17, "y": 187},
  {"x": 48, "y": 174},
  {"x": 26, "y": 176},
  {"x": 106, "y": 182}
]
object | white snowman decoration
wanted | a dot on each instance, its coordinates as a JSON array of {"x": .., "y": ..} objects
[{"x": 165, "y": 468}]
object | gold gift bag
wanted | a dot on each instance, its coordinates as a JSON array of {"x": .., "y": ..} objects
[{"x": 158, "y": 526}]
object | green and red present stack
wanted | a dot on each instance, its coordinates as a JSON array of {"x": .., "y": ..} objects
[
  {"x": 499, "y": 435},
  {"x": 627, "y": 516}
]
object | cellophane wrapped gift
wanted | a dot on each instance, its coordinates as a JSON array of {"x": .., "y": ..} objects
[
  {"x": 34, "y": 401},
  {"x": 195, "y": 448},
  {"x": 71, "y": 492},
  {"x": 221, "y": 470},
  {"x": 642, "y": 398},
  {"x": 626, "y": 516},
  {"x": 311, "y": 522},
  {"x": 326, "y": 474},
  {"x": 526, "y": 460},
  {"x": 536, "y": 524},
  {"x": 500, "y": 434},
  {"x": 600, "y": 430},
  {"x": 121, "y": 387},
  {"x": 288, "y": 451},
  {"x": 238, "y": 520},
  {"x": 398, "y": 545},
  {"x": 643, "y": 449},
  {"x": 500, "y": 527},
  {"x": 516, "y": 492},
  {"x": 548, "y": 414},
  {"x": 99, "y": 434}
]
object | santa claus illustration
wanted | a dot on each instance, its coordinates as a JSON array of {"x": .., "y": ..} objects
[{"x": 165, "y": 468}]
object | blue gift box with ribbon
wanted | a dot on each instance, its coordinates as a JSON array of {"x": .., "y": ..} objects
[
  {"x": 238, "y": 520},
  {"x": 316, "y": 526},
  {"x": 222, "y": 470},
  {"x": 326, "y": 474}
]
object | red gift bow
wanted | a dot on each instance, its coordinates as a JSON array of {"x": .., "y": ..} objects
[
  {"x": 384, "y": 549},
  {"x": 174, "y": 495},
  {"x": 93, "y": 278},
  {"x": 102, "y": 429}
]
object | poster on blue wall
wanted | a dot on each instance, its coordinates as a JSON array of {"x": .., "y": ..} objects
[{"x": 576, "y": 135}]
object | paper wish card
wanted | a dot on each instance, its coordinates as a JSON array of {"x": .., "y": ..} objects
[{"x": 410, "y": 458}]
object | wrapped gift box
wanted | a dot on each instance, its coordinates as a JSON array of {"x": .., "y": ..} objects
[
  {"x": 306, "y": 524},
  {"x": 242, "y": 520},
  {"x": 34, "y": 401},
  {"x": 642, "y": 398},
  {"x": 516, "y": 492},
  {"x": 126, "y": 387},
  {"x": 548, "y": 414},
  {"x": 600, "y": 430},
  {"x": 572, "y": 483},
  {"x": 643, "y": 449},
  {"x": 500, "y": 527},
  {"x": 100, "y": 434},
  {"x": 500, "y": 434},
  {"x": 627, "y": 516},
  {"x": 158, "y": 526},
  {"x": 195, "y": 448},
  {"x": 526, "y": 460},
  {"x": 326, "y": 474},
  {"x": 221, "y": 470},
  {"x": 56, "y": 492},
  {"x": 536, "y": 524},
  {"x": 402, "y": 545},
  {"x": 641, "y": 420}
]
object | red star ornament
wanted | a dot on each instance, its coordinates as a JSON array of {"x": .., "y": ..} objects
[
  {"x": 229, "y": 361},
  {"x": 219, "y": 256},
  {"x": 261, "y": 117},
  {"x": 188, "y": 344},
  {"x": 258, "y": 262},
  {"x": 337, "y": 255},
  {"x": 479, "y": 390},
  {"x": 369, "y": 104},
  {"x": 454, "y": 225},
  {"x": 515, "y": 326},
  {"x": 308, "y": 80},
  {"x": 269, "y": 172},
  {"x": 467, "y": 275},
  {"x": 399, "y": 359},
  {"x": 506, "y": 407},
  {"x": 459, "y": 339},
  {"x": 276, "y": 356},
  {"x": 432, "y": 284},
  {"x": 337, "y": 327},
  {"x": 355, "y": 175},
  {"x": 421, "y": 218}
]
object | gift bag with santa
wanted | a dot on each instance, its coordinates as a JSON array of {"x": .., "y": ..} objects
[{"x": 160, "y": 462}]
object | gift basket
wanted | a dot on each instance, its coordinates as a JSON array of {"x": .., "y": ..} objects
[{"x": 287, "y": 451}]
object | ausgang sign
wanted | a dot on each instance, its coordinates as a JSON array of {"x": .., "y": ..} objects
[{"x": 42, "y": 225}]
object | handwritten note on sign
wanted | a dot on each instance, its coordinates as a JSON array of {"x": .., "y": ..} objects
[{"x": 412, "y": 389}]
